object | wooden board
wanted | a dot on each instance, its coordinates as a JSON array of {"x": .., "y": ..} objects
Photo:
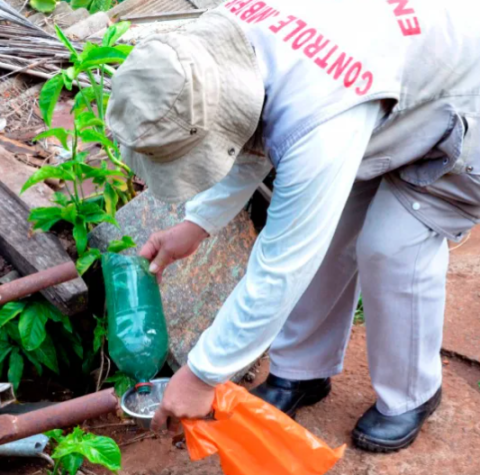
[
  {"x": 30, "y": 253},
  {"x": 14, "y": 174}
]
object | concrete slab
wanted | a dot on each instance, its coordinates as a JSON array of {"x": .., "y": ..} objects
[
  {"x": 193, "y": 290},
  {"x": 462, "y": 325}
]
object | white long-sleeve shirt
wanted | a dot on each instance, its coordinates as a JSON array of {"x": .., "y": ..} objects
[{"x": 313, "y": 180}]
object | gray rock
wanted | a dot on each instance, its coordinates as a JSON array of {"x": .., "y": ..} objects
[
  {"x": 87, "y": 27},
  {"x": 194, "y": 289}
]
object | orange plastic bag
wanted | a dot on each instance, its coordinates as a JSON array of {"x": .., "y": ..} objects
[{"x": 254, "y": 438}]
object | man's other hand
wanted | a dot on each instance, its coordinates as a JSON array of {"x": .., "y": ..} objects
[
  {"x": 165, "y": 247},
  {"x": 186, "y": 397}
]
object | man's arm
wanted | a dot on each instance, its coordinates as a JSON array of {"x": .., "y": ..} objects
[
  {"x": 214, "y": 208},
  {"x": 313, "y": 181}
]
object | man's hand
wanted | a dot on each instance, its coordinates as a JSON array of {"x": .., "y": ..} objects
[
  {"x": 186, "y": 397},
  {"x": 165, "y": 247}
]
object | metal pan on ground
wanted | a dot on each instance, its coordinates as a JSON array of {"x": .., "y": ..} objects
[{"x": 142, "y": 406}]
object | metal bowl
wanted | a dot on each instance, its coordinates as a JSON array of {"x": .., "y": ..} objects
[{"x": 130, "y": 402}]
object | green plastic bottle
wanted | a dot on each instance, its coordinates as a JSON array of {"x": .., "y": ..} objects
[{"x": 137, "y": 332}]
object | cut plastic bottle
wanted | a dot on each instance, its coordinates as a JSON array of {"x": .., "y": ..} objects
[{"x": 137, "y": 331}]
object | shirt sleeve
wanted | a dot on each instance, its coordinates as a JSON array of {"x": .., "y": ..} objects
[
  {"x": 313, "y": 181},
  {"x": 216, "y": 207}
]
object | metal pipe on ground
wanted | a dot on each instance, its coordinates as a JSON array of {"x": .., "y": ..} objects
[
  {"x": 39, "y": 281},
  {"x": 29, "y": 447},
  {"x": 60, "y": 415}
]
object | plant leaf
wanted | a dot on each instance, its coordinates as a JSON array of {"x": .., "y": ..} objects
[
  {"x": 92, "y": 213},
  {"x": 56, "y": 316},
  {"x": 87, "y": 95},
  {"x": 48, "y": 171},
  {"x": 100, "y": 6},
  {"x": 88, "y": 361},
  {"x": 9, "y": 311},
  {"x": 49, "y": 96},
  {"x": 125, "y": 49},
  {"x": 80, "y": 235},
  {"x": 59, "y": 133},
  {"x": 75, "y": 341},
  {"x": 30, "y": 357},
  {"x": 67, "y": 79},
  {"x": 99, "y": 334},
  {"x": 97, "y": 449},
  {"x": 65, "y": 40},
  {"x": 12, "y": 330},
  {"x": 32, "y": 326},
  {"x": 71, "y": 463},
  {"x": 45, "y": 218},
  {"x": 113, "y": 34},
  {"x": 88, "y": 119},
  {"x": 75, "y": 4},
  {"x": 99, "y": 56},
  {"x": 15, "y": 369},
  {"x": 81, "y": 156},
  {"x": 90, "y": 135},
  {"x": 118, "y": 246},
  {"x": 69, "y": 213},
  {"x": 60, "y": 199},
  {"x": 44, "y": 6},
  {"x": 95, "y": 172},
  {"x": 55, "y": 434},
  {"x": 122, "y": 383},
  {"x": 103, "y": 451},
  {"x": 47, "y": 355},
  {"x": 5, "y": 348},
  {"x": 87, "y": 259},
  {"x": 111, "y": 199}
]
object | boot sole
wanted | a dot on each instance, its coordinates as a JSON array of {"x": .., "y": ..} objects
[
  {"x": 310, "y": 401},
  {"x": 387, "y": 446}
]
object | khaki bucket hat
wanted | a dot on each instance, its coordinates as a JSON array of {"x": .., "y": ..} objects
[{"x": 184, "y": 104}]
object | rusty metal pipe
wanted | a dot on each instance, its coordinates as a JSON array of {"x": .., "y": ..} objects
[
  {"x": 39, "y": 281},
  {"x": 60, "y": 415}
]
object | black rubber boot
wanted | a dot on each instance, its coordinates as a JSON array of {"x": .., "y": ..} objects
[
  {"x": 288, "y": 396},
  {"x": 382, "y": 434}
]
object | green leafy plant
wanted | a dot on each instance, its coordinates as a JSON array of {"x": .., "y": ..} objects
[
  {"x": 44, "y": 6},
  {"x": 122, "y": 383},
  {"x": 70, "y": 451},
  {"x": 24, "y": 335},
  {"x": 359, "y": 317},
  {"x": 114, "y": 184},
  {"x": 93, "y": 6}
]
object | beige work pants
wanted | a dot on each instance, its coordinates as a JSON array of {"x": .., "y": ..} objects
[{"x": 400, "y": 266}]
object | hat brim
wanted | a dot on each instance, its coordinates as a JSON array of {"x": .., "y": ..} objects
[{"x": 179, "y": 180}]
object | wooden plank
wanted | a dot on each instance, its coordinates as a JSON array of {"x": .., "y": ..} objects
[
  {"x": 14, "y": 174},
  {"x": 31, "y": 253}
]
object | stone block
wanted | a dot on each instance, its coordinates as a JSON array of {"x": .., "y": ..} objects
[
  {"x": 89, "y": 26},
  {"x": 194, "y": 289}
]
